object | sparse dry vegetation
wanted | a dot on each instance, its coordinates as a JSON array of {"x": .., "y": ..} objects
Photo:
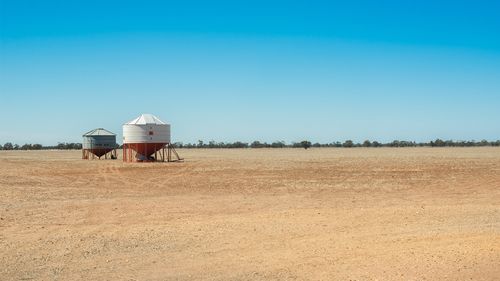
[{"x": 253, "y": 214}]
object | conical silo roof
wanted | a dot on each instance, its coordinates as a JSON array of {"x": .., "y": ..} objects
[
  {"x": 146, "y": 119},
  {"x": 99, "y": 132}
]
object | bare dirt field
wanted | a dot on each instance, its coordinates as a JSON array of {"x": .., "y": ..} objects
[{"x": 253, "y": 214}]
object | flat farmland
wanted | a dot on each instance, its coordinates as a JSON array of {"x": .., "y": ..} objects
[{"x": 253, "y": 214}]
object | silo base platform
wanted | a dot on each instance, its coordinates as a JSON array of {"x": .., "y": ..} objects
[
  {"x": 94, "y": 153},
  {"x": 150, "y": 152}
]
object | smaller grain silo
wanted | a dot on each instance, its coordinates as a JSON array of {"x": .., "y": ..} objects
[{"x": 97, "y": 143}]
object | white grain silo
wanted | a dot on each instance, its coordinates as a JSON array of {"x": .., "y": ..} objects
[{"x": 147, "y": 139}]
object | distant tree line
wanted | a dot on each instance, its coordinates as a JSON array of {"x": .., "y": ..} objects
[
  {"x": 277, "y": 144},
  {"x": 347, "y": 144},
  {"x": 37, "y": 146}
]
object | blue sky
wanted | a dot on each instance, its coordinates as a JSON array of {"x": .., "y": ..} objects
[{"x": 251, "y": 70}]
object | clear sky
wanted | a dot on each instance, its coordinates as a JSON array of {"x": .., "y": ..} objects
[{"x": 251, "y": 70}]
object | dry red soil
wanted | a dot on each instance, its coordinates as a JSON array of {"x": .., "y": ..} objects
[{"x": 253, "y": 214}]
